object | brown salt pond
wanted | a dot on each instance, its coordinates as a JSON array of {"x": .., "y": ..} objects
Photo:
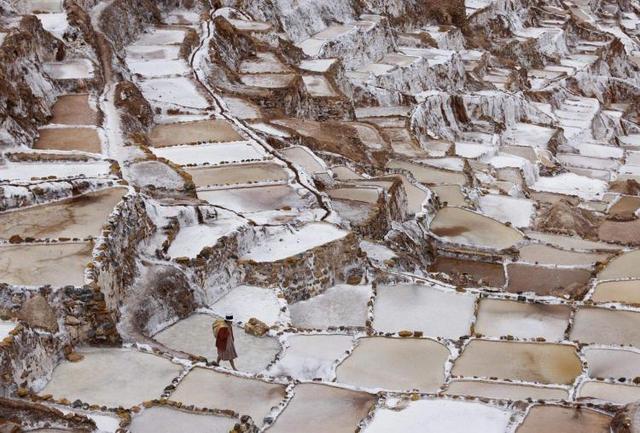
[
  {"x": 40, "y": 264},
  {"x": 470, "y": 273},
  {"x": 606, "y": 326},
  {"x": 74, "y": 110},
  {"x": 212, "y": 130},
  {"x": 83, "y": 139},
  {"x": 77, "y": 217},
  {"x": 612, "y": 363},
  {"x": 112, "y": 377},
  {"x": 499, "y": 318},
  {"x": 210, "y": 389},
  {"x": 546, "y": 255},
  {"x": 321, "y": 408},
  {"x": 627, "y": 292},
  {"x": 610, "y": 392},
  {"x": 304, "y": 158},
  {"x": 237, "y": 174},
  {"x": 395, "y": 364},
  {"x": 462, "y": 226},
  {"x": 367, "y": 195},
  {"x": 530, "y": 362},
  {"x": 547, "y": 280},
  {"x": 450, "y": 194},
  {"x": 624, "y": 208},
  {"x": 623, "y": 232},
  {"x": 550, "y": 418},
  {"x": 429, "y": 175},
  {"x": 505, "y": 391},
  {"x": 622, "y": 266}
]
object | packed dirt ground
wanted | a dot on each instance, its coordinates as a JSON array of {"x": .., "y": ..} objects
[{"x": 423, "y": 216}]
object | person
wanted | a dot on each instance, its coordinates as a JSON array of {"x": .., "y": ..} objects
[{"x": 223, "y": 333}]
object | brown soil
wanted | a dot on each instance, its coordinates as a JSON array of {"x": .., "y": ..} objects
[
  {"x": 547, "y": 281},
  {"x": 563, "y": 217},
  {"x": 329, "y": 136},
  {"x": 84, "y": 139}
]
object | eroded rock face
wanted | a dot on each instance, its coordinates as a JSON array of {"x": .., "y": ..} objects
[
  {"x": 564, "y": 217},
  {"x": 627, "y": 420},
  {"x": 26, "y": 92}
]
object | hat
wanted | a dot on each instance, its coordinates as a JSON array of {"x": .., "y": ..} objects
[{"x": 228, "y": 317}]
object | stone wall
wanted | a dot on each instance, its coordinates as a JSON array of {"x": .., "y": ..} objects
[
  {"x": 309, "y": 273},
  {"x": 30, "y": 416},
  {"x": 114, "y": 267}
]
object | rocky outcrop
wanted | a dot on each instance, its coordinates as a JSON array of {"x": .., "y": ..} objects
[
  {"x": 444, "y": 116},
  {"x": 26, "y": 91},
  {"x": 564, "y": 217}
]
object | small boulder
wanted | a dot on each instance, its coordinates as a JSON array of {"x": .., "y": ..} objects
[
  {"x": 256, "y": 327},
  {"x": 74, "y": 357},
  {"x": 38, "y": 313}
]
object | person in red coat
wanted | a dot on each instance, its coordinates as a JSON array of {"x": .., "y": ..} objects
[{"x": 223, "y": 332}]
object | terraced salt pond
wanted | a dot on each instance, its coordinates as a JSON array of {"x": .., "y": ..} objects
[
  {"x": 211, "y": 153},
  {"x": 212, "y": 130},
  {"x": 395, "y": 364},
  {"x": 112, "y": 377},
  {"x": 168, "y": 420},
  {"x": 606, "y": 326},
  {"x": 194, "y": 335},
  {"x": 245, "y": 302},
  {"x": 341, "y": 305},
  {"x": 238, "y": 174},
  {"x": 40, "y": 264},
  {"x": 321, "y": 408},
  {"x": 530, "y": 362},
  {"x": 308, "y": 357},
  {"x": 82, "y": 139},
  {"x": 440, "y": 416},
  {"x": 434, "y": 311},
  {"x": 255, "y": 199},
  {"x": 627, "y": 292},
  {"x": 610, "y": 392},
  {"x": 612, "y": 363},
  {"x": 205, "y": 388},
  {"x": 504, "y": 391},
  {"x": 461, "y": 226},
  {"x": 74, "y": 110},
  {"x": 78, "y": 217},
  {"x": 564, "y": 419},
  {"x": 523, "y": 320}
]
